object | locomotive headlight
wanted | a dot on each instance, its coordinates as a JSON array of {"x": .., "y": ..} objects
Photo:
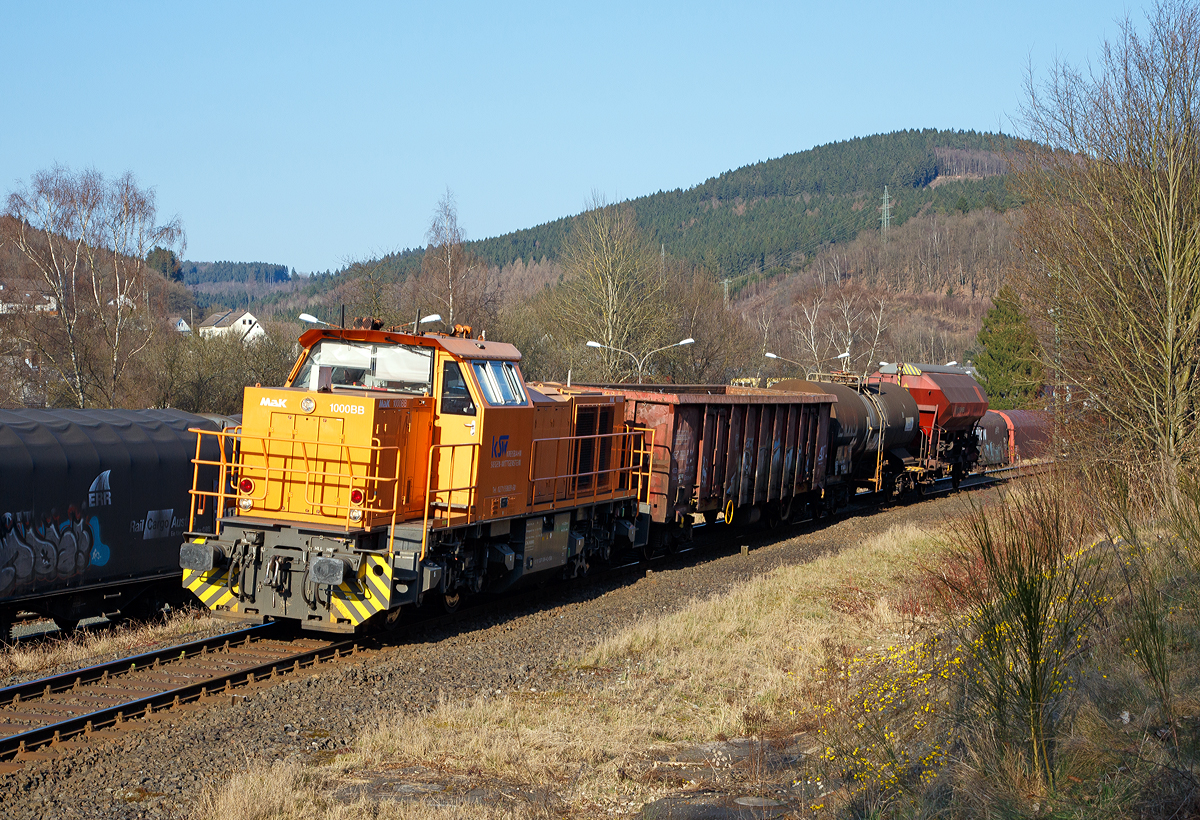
[
  {"x": 308, "y": 405},
  {"x": 245, "y": 503},
  {"x": 356, "y": 515}
]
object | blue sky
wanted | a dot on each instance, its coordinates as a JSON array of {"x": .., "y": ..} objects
[{"x": 310, "y": 134}]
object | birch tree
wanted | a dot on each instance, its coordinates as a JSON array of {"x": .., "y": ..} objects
[
  {"x": 85, "y": 240},
  {"x": 614, "y": 292},
  {"x": 1111, "y": 239},
  {"x": 461, "y": 284}
]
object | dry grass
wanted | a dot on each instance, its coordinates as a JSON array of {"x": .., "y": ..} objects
[
  {"x": 77, "y": 648},
  {"x": 292, "y": 791},
  {"x": 728, "y": 665}
]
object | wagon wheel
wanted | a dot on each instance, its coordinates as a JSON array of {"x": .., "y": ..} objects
[
  {"x": 65, "y": 624},
  {"x": 772, "y": 517},
  {"x": 785, "y": 508},
  {"x": 657, "y": 544}
]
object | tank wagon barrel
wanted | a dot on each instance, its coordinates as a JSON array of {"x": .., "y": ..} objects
[{"x": 94, "y": 505}]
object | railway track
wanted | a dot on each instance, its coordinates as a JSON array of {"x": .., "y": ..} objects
[{"x": 56, "y": 708}]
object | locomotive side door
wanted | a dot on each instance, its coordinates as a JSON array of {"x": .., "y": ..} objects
[{"x": 456, "y": 452}]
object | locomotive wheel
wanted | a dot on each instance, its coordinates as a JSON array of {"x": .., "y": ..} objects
[{"x": 388, "y": 621}]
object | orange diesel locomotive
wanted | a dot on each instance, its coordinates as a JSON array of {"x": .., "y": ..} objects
[{"x": 393, "y": 466}]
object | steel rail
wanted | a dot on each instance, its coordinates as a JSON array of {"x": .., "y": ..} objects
[
  {"x": 78, "y": 677},
  {"x": 144, "y": 697}
]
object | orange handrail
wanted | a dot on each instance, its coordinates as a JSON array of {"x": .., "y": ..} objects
[
  {"x": 632, "y": 462},
  {"x": 432, "y": 493},
  {"x": 344, "y": 475}
]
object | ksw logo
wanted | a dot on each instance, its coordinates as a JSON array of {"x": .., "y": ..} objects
[
  {"x": 499, "y": 446},
  {"x": 267, "y": 401}
]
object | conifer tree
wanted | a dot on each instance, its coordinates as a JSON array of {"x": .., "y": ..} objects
[{"x": 1008, "y": 359}]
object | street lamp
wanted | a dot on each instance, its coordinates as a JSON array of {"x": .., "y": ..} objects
[
  {"x": 782, "y": 359},
  {"x": 433, "y": 317},
  {"x": 641, "y": 363},
  {"x": 313, "y": 320}
]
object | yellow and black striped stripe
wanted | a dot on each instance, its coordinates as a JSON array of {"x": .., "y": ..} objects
[
  {"x": 211, "y": 587},
  {"x": 370, "y": 592}
]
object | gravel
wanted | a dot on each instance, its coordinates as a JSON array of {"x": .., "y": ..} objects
[{"x": 158, "y": 766}]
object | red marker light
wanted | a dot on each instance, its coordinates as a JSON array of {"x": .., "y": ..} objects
[
  {"x": 246, "y": 485},
  {"x": 356, "y": 496}
]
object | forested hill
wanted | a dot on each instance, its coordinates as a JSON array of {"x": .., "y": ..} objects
[
  {"x": 198, "y": 273},
  {"x": 776, "y": 212}
]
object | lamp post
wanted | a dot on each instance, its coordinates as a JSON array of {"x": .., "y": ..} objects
[
  {"x": 782, "y": 359},
  {"x": 313, "y": 320},
  {"x": 640, "y": 362},
  {"x": 424, "y": 320}
]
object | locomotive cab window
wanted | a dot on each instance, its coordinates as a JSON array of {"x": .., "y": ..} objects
[
  {"x": 456, "y": 398},
  {"x": 354, "y": 365},
  {"x": 500, "y": 382}
]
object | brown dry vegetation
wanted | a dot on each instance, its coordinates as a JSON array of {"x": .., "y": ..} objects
[
  {"x": 875, "y": 667},
  {"x": 72, "y": 650},
  {"x": 725, "y": 666}
]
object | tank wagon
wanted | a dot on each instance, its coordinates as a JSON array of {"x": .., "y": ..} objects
[
  {"x": 951, "y": 403},
  {"x": 873, "y": 430},
  {"x": 392, "y": 467},
  {"x": 94, "y": 505},
  {"x": 1010, "y": 437}
]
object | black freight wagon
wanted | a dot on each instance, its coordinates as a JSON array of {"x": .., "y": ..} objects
[{"x": 93, "y": 506}]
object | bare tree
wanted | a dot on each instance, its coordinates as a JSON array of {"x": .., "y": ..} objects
[
  {"x": 614, "y": 292},
  {"x": 373, "y": 292},
  {"x": 460, "y": 282},
  {"x": 85, "y": 240},
  {"x": 1112, "y": 235},
  {"x": 812, "y": 340}
]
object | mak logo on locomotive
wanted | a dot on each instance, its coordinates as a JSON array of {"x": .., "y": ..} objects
[{"x": 267, "y": 401}]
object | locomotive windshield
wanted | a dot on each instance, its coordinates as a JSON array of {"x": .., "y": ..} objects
[{"x": 359, "y": 366}]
